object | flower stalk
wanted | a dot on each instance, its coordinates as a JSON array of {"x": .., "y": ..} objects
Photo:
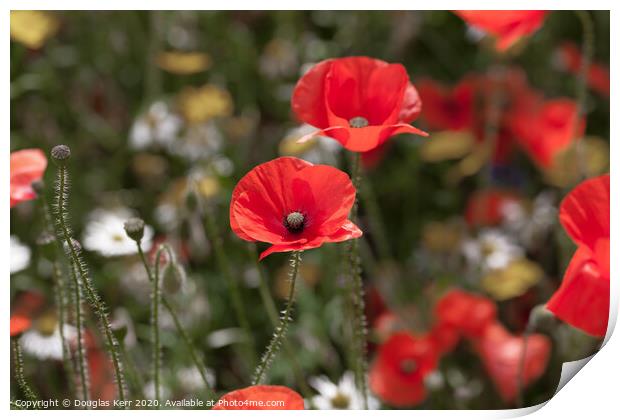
[
  {"x": 19, "y": 370},
  {"x": 61, "y": 154},
  {"x": 359, "y": 327},
  {"x": 79, "y": 326},
  {"x": 175, "y": 318},
  {"x": 282, "y": 328}
]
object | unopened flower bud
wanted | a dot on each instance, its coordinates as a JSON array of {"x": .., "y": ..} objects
[
  {"x": 542, "y": 318},
  {"x": 174, "y": 278},
  {"x": 61, "y": 153},
  {"x": 134, "y": 228},
  {"x": 38, "y": 186}
]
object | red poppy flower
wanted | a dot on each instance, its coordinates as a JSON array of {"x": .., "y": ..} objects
[
  {"x": 19, "y": 324},
  {"x": 397, "y": 374},
  {"x": 485, "y": 207},
  {"x": 468, "y": 313},
  {"x": 501, "y": 354},
  {"x": 387, "y": 324},
  {"x": 27, "y": 166},
  {"x": 546, "y": 130},
  {"x": 448, "y": 108},
  {"x": 583, "y": 298},
  {"x": 294, "y": 205},
  {"x": 445, "y": 337},
  {"x": 507, "y": 25},
  {"x": 261, "y": 397},
  {"x": 359, "y": 101},
  {"x": 598, "y": 74}
]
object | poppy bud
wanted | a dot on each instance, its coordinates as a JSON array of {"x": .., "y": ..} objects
[
  {"x": 38, "y": 186},
  {"x": 60, "y": 154},
  {"x": 542, "y": 318},
  {"x": 134, "y": 228},
  {"x": 174, "y": 278}
]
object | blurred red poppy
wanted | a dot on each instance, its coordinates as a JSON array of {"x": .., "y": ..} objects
[
  {"x": 548, "y": 129},
  {"x": 509, "y": 26},
  {"x": 359, "y": 101},
  {"x": 294, "y": 205},
  {"x": 100, "y": 369},
  {"x": 445, "y": 337},
  {"x": 501, "y": 354},
  {"x": 397, "y": 374},
  {"x": 448, "y": 108},
  {"x": 261, "y": 397},
  {"x": 467, "y": 313},
  {"x": 27, "y": 166},
  {"x": 583, "y": 298},
  {"x": 598, "y": 74},
  {"x": 485, "y": 207},
  {"x": 19, "y": 324}
]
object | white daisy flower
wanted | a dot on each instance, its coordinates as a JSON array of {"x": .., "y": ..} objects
[
  {"x": 20, "y": 255},
  {"x": 491, "y": 250},
  {"x": 157, "y": 126},
  {"x": 200, "y": 142},
  {"x": 529, "y": 225},
  {"x": 105, "y": 233},
  {"x": 44, "y": 343},
  {"x": 191, "y": 380},
  {"x": 341, "y": 396}
]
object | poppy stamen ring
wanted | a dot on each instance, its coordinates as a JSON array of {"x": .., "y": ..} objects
[
  {"x": 408, "y": 366},
  {"x": 295, "y": 222},
  {"x": 358, "y": 122}
]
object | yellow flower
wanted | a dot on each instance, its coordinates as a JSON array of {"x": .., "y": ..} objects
[
  {"x": 33, "y": 27},
  {"x": 179, "y": 62},
  {"x": 567, "y": 168},
  {"x": 446, "y": 145},
  {"x": 208, "y": 186},
  {"x": 513, "y": 280},
  {"x": 201, "y": 104},
  {"x": 441, "y": 236}
]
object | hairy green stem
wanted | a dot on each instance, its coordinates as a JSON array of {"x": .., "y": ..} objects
[
  {"x": 155, "y": 299},
  {"x": 19, "y": 370},
  {"x": 91, "y": 294},
  {"x": 272, "y": 312},
  {"x": 79, "y": 326},
  {"x": 282, "y": 328},
  {"x": 184, "y": 335},
  {"x": 357, "y": 296}
]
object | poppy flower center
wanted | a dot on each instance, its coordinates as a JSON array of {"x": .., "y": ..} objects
[
  {"x": 358, "y": 122},
  {"x": 408, "y": 366},
  {"x": 295, "y": 222}
]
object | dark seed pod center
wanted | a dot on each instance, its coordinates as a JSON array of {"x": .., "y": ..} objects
[
  {"x": 295, "y": 222},
  {"x": 408, "y": 366},
  {"x": 358, "y": 122}
]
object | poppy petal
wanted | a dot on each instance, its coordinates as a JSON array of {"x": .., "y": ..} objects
[
  {"x": 583, "y": 298},
  {"x": 261, "y": 397},
  {"x": 308, "y": 100},
  {"x": 584, "y": 212}
]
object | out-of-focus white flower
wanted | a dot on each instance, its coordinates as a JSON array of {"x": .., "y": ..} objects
[
  {"x": 149, "y": 391},
  {"x": 46, "y": 344},
  {"x": 225, "y": 337},
  {"x": 529, "y": 225},
  {"x": 491, "y": 250},
  {"x": 318, "y": 150},
  {"x": 279, "y": 59},
  {"x": 20, "y": 255},
  {"x": 341, "y": 396},
  {"x": 105, "y": 233},
  {"x": 434, "y": 380},
  {"x": 157, "y": 126},
  {"x": 191, "y": 380},
  {"x": 201, "y": 141}
]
